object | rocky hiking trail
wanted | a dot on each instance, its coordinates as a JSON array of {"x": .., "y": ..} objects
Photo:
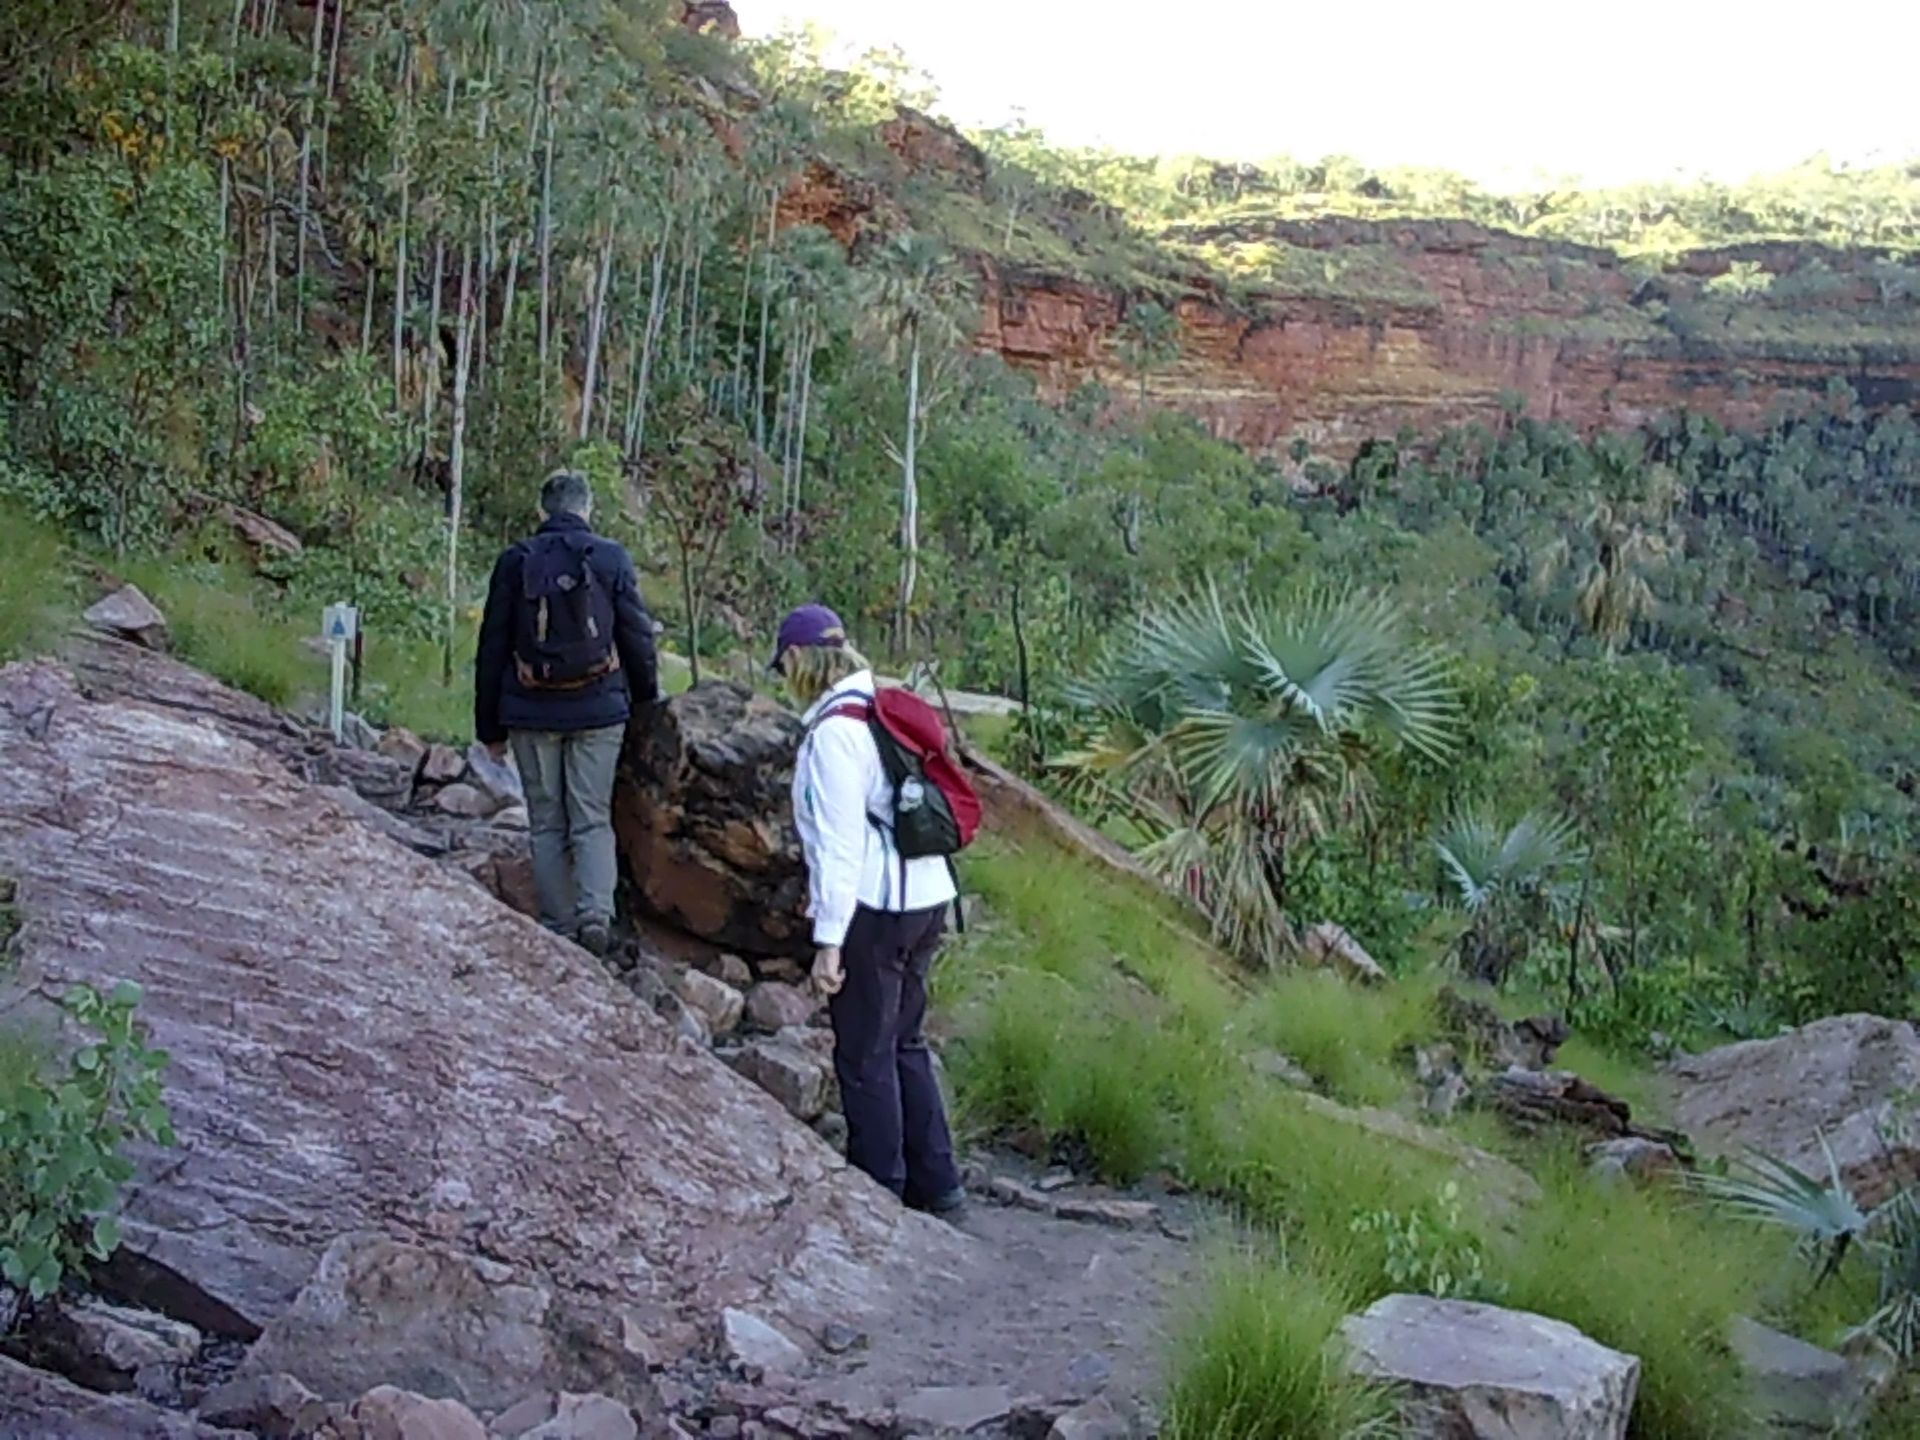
[
  {"x": 443, "y": 1176},
  {"x": 428, "y": 1150}
]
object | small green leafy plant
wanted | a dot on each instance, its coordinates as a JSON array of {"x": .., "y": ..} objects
[
  {"x": 63, "y": 1128},
  {"x": 1428, "y": 1252}
]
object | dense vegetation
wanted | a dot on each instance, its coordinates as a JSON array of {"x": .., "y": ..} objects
[{"x": 1623, "y": 721}]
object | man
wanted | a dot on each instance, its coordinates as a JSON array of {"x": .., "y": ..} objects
[{"x": 566, "y": 648}]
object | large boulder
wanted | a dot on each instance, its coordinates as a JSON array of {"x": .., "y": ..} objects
[
  {"x": 128, "y": 614},
  {"x": 364, "y": 1041},
  {"x": 1841, "y": 1078},
  {"x": 1480, "y": 1372},
  {"x": 704, "y": 813}
]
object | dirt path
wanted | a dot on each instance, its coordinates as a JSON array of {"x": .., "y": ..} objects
[{"x": 1057, "y": 1310}]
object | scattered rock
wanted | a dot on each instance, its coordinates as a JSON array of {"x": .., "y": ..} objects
[
  {"x": 1282, "y": 1068},
  {"x": 1633, "y": 1158},
  {"x": 1480, "y": 1372},
  {"x": 717, "y": 1002},
  {"x": 372, "y": 776},
  {"x": 1095, "y": 1420},
  {"x": 1494, "y": 1043},
  {"x": 514, "y": 817},
  {"x": 443, "y": 765},
  {"x": 403, "y": 745},
  {"x": 1443, "y": 1081},
  {"x": 1838, "y": 1079},
  {"x": 273, "y": 1407},
  {"x": 1120, "y": 1214},
  {"x": 357, "y": 733},
  {"x": 732, "y": 969},
  {"x": 495, "y": 778},
  {"x": 389, "y": 1413},
  {"x": 1054, "y": 1180},
  {"x": 954, "y": 1409},
  {"x": 775, "y": 1006},
  {"x": 1802, "y": 1388},
  {"x": 262, "y": 536},
  {"x": 832, "y": 1128},
  {"x": 128, "y": 614},
  {"x": 1334, "y": 948},
  {"x": 469, "y": 802},
  {"x": 704, "y": 813},
  {"x": 838, "y": 1339},
  {"x": 1008, "y": 1191},
  {"x": 787, "y": 1073},
  {"x": 581, "y": 1417},
  {"x": 1534, "y": 1100},
  {"x": 36, "y": 1405},
  {"x": 380, "y": 1311},
  {"x": 755, "y": 1348},
  {"x": 108, "y": 1348}
]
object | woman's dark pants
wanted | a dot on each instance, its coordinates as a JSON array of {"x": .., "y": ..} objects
[{"x": 896, "y": 1124}]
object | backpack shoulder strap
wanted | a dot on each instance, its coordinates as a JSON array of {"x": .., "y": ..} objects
[{"x": 851, "y": 707}]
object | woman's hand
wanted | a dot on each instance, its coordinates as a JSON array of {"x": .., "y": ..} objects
[{"x": 828, "y": 977}]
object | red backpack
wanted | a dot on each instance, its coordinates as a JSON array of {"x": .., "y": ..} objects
[{"x": 935, "y": 809}]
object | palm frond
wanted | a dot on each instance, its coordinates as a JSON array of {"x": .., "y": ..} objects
[{"x": 1770, "y": 1191}]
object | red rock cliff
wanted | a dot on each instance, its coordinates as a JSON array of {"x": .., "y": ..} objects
[{"x": 1378, "y": 325}]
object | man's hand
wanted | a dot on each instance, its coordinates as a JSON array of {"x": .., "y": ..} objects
[
  {"x": 498, "y": 752},
  {"x": 828, "y": 977}
]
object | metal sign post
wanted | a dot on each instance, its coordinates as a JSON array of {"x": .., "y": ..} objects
[{"x": 339, "y": 626}]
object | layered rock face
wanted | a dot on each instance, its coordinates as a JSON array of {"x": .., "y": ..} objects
[
  {"x": 366, "y": 1044},
  {"x": 1493, "y": 322},
  {"x": 1420, "y": 323}
]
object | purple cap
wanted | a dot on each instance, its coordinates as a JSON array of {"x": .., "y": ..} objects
[{"x": 809, "y": 625}]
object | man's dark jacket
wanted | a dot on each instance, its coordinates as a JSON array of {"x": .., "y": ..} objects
[{"x": 501, "y": 703}]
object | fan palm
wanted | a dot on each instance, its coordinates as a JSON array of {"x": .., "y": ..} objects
[
  {"x": 1230, "y": 733},
  {"x": 1822, "y": 1213},
  {"x": 1507, "y": 880}
]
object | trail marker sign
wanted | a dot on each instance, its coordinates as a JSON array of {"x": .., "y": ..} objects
[{"x": 339, "y": 627}]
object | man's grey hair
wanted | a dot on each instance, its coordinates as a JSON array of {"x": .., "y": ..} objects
[{"x": 567, "y": 492}]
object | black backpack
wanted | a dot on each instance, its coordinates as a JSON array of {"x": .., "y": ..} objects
[{"x": 563, "y": 625}]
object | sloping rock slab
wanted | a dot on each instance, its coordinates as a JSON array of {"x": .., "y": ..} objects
[
  {"x": 41, "y": 1406},
  {"x": 1501, "y": 1183},
  {"x": 703, "y": 808},
  {"x": 362, "y": 1041},
  {"x": 1840, "y": 1077},
  {"x": 1480, "y": 1372}
]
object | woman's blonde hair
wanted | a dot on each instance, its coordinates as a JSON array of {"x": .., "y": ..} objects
[{"x": 812, "y": 670}]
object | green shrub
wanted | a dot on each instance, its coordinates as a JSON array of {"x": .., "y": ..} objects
[
  {"x": 1261, "y": 1362},
  {"x": 62, "y": 1128}
]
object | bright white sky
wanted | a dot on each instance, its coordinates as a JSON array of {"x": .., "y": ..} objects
[{"x": 1503, "y": 90}]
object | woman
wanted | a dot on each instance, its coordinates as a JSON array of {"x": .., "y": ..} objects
[{"x": 877, "y": 921}]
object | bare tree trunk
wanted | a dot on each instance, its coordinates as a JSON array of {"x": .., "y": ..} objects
[
  {"x": 308, "y": 112},
  {"x": 909, "y": 505},
  {"x": 596, "y": 328},
  {"x": 400, "y": 253},
  {"x": 740, "y": 328},
  {"x": 656, "y": 321},
  {"x": 430, "y": 356},
  {"x": 333, "y": 87},
  {"x": 457, "y": 455},
  {"x": 513, "y": 289},
  {"x": 366, "y": 316},
  {"x": 546, "y": 263},
  {"x": 766, "y": 305},
  {"x": 800, "y": 440},
  {"x": 173, "y": 29}
]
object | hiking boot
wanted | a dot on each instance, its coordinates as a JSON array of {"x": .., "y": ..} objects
[
  {"x": 950, "y": 1207},
  {"x": 595, "y": 937}
]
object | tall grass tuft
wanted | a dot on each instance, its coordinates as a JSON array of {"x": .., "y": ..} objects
[
  {"x": 1649, "y": 1274},
  {"x": 1262, "y": 1362},
  {"x": 1353, "y": 1042},
  {"x": 36, "y": 585}
]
